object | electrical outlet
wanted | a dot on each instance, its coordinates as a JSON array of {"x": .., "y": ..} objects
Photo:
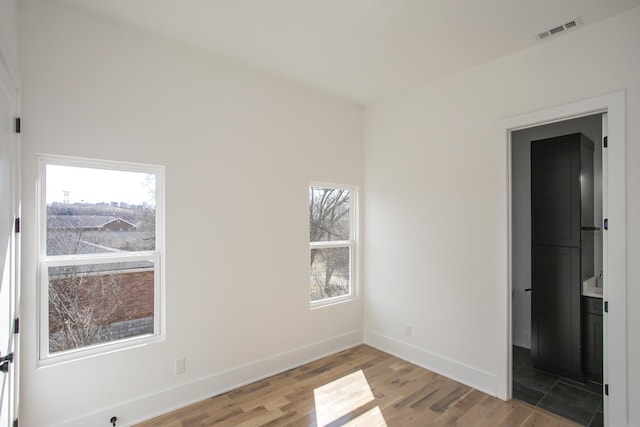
[
  {"x": 407, "y": 330},
  {"x": 180, "y": 366}
]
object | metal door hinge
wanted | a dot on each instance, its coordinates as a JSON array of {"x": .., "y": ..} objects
[
  {"x": 5, "y": 361},
  {"x": 606, "y": 306},
  {"x": 17, "y": 225},
  {"x": 15, "y": 423},
  {"x": 606, "y": 141},
  {"x": 605, "y": 224},
  {"x": 17, "y": 126},
  {"x": 606, "y": 389},
  {"x": 16, "y": 325}
]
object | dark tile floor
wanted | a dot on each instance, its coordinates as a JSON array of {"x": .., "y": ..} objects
[{"x": 573, "y": 400}]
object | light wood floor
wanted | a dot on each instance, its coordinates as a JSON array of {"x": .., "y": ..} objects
[{"x": 360, "y": 386}]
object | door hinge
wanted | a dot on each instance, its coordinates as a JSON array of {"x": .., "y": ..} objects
[
  {"x": 605, "y": 224},
  {"x": 16, "y": 325},
  {"x": 5, "y": 361},
  {"x": 606, "y": 389},
  {"x": 17, "y": 225},
  {"x": 15, "y": 423},
  {"x": 606, "y": 306},
  {"x": 605, "y": 141},
  {"x": 17, "y": 127}
]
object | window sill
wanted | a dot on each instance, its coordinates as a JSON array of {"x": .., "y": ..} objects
[{"x": 331, "y": 301}]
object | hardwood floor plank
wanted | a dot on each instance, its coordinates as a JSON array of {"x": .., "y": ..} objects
[
  {"x": 516, "y": 417},
  {"x": 361, "y": 386},
  {"x": 452, "y": 397}
]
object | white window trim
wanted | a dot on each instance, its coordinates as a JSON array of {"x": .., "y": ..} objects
[
  {"x": 352, "y": 244},
  {"x": 44, "y": 262}
]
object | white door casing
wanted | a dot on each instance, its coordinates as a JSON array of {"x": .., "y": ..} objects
[{"x": 9, "y": 246}]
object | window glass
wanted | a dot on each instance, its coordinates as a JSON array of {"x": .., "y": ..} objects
[
  {"x": 97, "y": 303},
  {"x": 330, "y": 273},
  {"x": 329, "y": 214},
  {"x": 96, "y": 210}
]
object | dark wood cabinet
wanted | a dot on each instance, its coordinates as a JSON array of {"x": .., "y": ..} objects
[
  {"x": 555, "y": 193},
  {"x": 562, "y": 191},
  {"x": 592, "y": 338},
  {"x": 562, "y": 249},
  {"x": 555, "y": 310}
]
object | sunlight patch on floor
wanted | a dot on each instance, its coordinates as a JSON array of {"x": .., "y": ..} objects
[
  {"x": 343, "y": 396},
  {"x": 372, "y": 418}
]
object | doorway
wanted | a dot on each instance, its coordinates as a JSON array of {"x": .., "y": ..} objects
[
  {"x": 615, "y": 406},
  {"x": 579, "y": 401}
]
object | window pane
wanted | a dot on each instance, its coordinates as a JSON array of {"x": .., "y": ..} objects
[
  {"x": 99, "y": 210},
  {"x": 329, "y": 273},
  {"x": 329, "y": 214},
  {"x": 99, "y": 303}
]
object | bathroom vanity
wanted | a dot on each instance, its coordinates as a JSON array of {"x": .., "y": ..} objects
[{"x": 592, "y": 338}]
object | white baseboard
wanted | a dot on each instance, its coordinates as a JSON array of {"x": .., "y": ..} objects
[
  {"x": 170, "y": 399},
  {"x": 521, "y": 338},
  {"x": 457, "y": 371}
]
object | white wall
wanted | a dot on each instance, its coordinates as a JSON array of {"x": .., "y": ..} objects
[
  {"x": 591, "y": 126},
  {"x": 240, "y": 149},
  {"x": 9, "y": 36},
  {"x": 435, "y": 235}
]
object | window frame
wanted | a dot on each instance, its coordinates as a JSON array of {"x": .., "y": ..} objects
[
  {"x": 352, "y": 244},
  {"x": 44, "y": 261}
]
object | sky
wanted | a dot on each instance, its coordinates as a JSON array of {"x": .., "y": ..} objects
[{"x": 98, "y": 185}]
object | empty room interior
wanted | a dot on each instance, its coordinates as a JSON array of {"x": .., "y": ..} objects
[{"x": 200, "y": 196}]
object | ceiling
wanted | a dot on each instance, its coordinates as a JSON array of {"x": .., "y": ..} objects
[{"x": 359, "y": 50}]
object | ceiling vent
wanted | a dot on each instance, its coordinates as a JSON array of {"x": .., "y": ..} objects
[{"x": 559, "y": 29}]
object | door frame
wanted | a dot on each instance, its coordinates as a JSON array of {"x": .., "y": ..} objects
[
  {"x": 14, "y": 247},
  {"x": 614, "y": 241}
]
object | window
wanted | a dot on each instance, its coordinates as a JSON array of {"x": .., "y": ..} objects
[
  {"x": 101, "y": 253},
  {"x": 332, "y": 243}
]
